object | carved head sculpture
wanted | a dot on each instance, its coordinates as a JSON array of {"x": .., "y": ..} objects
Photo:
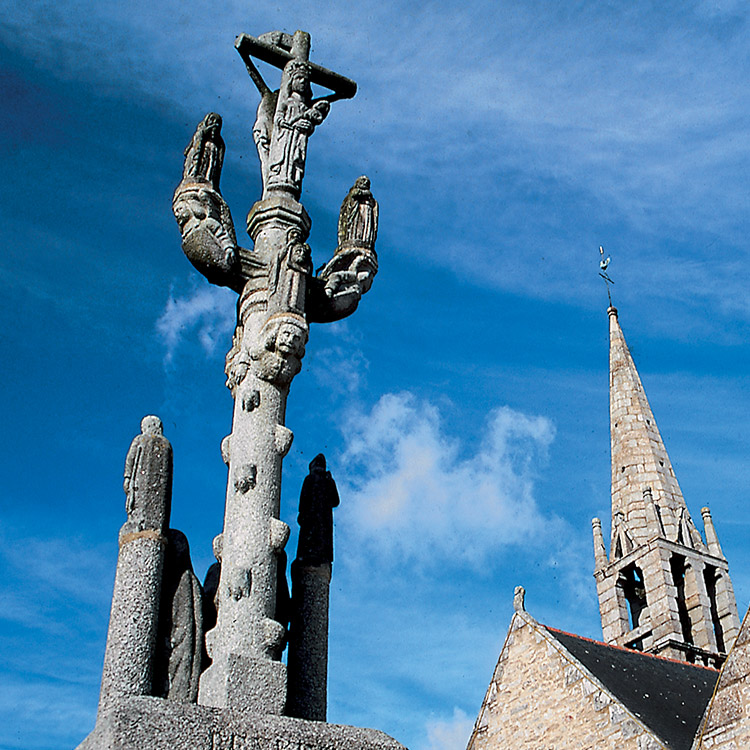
[
  {"x": 212, "y": 123},
  {"x": 290, "y": 341},
  {"x": 298, "y": 79},
  {"x": 363, "y": 183},
  {"x": 152, "y": 425},
  {"x": 318, "y": 463},
  {"x": 283, "y": 345},
  {"x": 299, "y": 253},
  {"x": 194, "y": 204}
]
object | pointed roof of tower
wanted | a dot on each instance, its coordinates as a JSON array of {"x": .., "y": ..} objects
[{"x": 646, "y": 499}]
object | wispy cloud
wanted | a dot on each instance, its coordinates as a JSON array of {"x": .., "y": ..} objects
[
  {"x": 418, "y": 493},
  {"x": 549, "y": 127},
  {"x": 207, "y": 313},
  {"x": 450, "y": 734}
]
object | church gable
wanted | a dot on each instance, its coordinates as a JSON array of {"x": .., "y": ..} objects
[
  {"x": 727, "y": 724},
  {"x": 542, "y": 698}
]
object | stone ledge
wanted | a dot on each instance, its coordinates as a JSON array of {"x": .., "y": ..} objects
[{"x": 146, "y": 723}]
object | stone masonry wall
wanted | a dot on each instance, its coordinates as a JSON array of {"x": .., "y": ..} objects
[
  {"x": 727, "y": 725},
  {"x": 539, "y": 700}
]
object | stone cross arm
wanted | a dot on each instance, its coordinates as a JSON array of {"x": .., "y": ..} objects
[{"x": 275, "y": 54}]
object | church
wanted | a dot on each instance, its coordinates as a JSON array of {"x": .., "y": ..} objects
[{"x": 673, "y": 667}]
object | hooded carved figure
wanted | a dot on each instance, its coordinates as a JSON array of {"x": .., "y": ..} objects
[{"x": 317, "y": 500}]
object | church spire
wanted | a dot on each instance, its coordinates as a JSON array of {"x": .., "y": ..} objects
[
  {"x": 662, "y": 589},
  {"x": 645, "y": 493}
]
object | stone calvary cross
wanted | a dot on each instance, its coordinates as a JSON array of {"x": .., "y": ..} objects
[{"x": 279, "y": 296}]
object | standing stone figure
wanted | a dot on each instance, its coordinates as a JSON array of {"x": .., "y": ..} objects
[
  {"x": 358, "y": 218},
  {"x": 311, "y": 579},
  {"x": 204, "y": 218},
  {"x": 204, "y": 155},
  {"x": 179, "y": 648},
  {"x": 294, "y": 122},
  {"x": 317, "y": 500},
  {"x": 133, "y": 622}
]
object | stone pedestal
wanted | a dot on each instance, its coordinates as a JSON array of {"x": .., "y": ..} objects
[
  {"x": 308, "y": 642},
  {"x": 133, "y": 622},
  {"x": 146, "y": 723}
]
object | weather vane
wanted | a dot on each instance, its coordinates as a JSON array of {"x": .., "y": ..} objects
[{"x": 603, "y": 264}]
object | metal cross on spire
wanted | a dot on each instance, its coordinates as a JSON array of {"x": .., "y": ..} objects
[{"x": 603, "y": 265}]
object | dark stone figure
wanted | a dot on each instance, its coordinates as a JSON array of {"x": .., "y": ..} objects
[
  {"x": 317, "y": 500},
  {"x": 148, "y": 479},
  {"x": 179, "y": 645}
]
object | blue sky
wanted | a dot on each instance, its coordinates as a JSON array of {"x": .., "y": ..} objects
[{"x": 463, "y": 408}]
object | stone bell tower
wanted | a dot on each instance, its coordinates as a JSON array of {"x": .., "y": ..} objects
[{"x": 663, "y": 589}]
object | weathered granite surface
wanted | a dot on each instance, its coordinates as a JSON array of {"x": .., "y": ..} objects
[
  {"x": 133, "y": 622},
  {"x": 178, "y": 659},
  {"x": 279, "y": 297},
  {"x": 145, "y": 723}
]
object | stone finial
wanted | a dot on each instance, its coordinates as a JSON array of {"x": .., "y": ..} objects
[
  {"x": 600, "y": 551},
  {"x": 519, "y": 595},
  {"x": 712, "y": 539}
]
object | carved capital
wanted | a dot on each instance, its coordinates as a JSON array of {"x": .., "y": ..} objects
[{"x": 278, "y": 211}]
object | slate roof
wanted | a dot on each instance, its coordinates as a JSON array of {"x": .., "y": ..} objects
[{"x": 668, "y": 696}]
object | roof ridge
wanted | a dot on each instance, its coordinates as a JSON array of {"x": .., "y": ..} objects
[{"x": 629, "y": 650}]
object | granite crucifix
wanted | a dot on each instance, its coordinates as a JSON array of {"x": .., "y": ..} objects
[{"x": 279, "y": 296}]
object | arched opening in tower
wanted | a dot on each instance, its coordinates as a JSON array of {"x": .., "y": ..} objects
[{"x": 630, "y": 581}]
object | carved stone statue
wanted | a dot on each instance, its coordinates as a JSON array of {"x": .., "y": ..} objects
[
  {"x": 148, "y": 479},
  {"x": 179, "y": 645},
  {"x": 278, "y": 298},
  {"x": 134, "y": 617},
  {"x": 294, "y": 121},
  {"x": 211, "y": 588},
  {"x": 204, "y": 156},
  {"x": 317, "y": 500},
  {"x": 208, "y": 236},
  {"x": 339, "y": 285},
  {"x": 237, "y": 362},
  {"x": 358, "y": 218}
]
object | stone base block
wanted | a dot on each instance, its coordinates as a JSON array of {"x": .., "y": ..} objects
[
  {"x": 245, "y": 683},
  {"x": 145, "y": 723}
]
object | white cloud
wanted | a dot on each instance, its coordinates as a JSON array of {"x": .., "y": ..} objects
[
  {"x": 415, "y": 492},
  {"x": 208, "y": 313},
  {"x": 452, "y": 734}
]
